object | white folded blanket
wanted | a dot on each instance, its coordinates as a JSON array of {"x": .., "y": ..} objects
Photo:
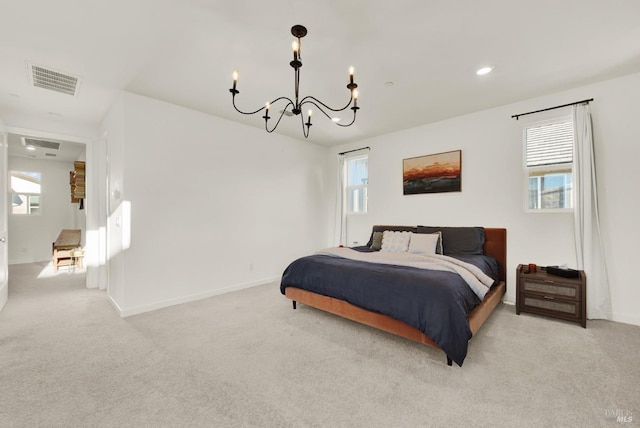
[{"x": 478, "y": 281}]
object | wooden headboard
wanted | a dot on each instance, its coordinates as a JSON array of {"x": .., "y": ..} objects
[{"x": 495, "y": 245}]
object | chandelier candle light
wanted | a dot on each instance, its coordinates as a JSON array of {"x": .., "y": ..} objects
[{"x": 299, "y": 32}]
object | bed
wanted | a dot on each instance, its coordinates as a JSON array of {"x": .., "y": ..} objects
[{"x": 434, "y": 307}]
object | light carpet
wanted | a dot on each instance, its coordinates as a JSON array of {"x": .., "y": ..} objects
[{"x": 247, "y": 359}]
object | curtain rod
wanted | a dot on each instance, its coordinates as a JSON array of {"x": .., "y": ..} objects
[
  {"x": 552, "y": 108},
  {"x": 354, "y": 150}
]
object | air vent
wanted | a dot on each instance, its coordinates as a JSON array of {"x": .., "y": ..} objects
[
  {"x": 43, "y": 144},
  {"x": 53, "y": 155},
  {"x": 53, "y": 80}
]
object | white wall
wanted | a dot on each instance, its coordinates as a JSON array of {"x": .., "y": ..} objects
[
  {"x": 492, "y": 186},
  {"x": 30, "y": 236},
  {"x": 215, "y": 206}
]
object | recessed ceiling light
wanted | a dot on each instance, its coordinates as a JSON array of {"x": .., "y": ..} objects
[
  {"x": 31, "y": 148},
  {"x": 484, "y": 70},
  {"x": 336, "y": 119}
]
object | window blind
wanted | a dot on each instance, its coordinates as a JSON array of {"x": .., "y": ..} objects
[{"x": 549, "y": 144}]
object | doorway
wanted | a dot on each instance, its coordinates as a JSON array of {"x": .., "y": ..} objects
[{"x": 54, "y": 154}]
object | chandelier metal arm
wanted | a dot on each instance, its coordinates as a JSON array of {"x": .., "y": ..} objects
[
  {"x": 352, "y": 121},
  {"x": 266, "y": 116},
  {"x": 317, "y": 106},
  {"x": 316, "y": 101},
  {"x": 305, "y": 126},
  {"x": 263, "y": 107},
  {"x": 233, "y": 100}
]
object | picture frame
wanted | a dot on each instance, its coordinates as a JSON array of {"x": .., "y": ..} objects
[{"x": 435, "y": 173}]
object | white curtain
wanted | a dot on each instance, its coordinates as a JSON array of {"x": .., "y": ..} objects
[
  {"x": 340, "y": 232},
  {"x": 589, "y": 248}
]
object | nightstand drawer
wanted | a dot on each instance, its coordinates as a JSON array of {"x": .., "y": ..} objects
[
  {"x": 554, "y": 289},
  {"x": 567, "y": 307}
]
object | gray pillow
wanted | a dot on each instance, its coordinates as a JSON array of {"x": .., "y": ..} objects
[{"x": 376, "y": 241}]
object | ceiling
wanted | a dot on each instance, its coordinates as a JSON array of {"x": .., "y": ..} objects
[
  {"x": 415, "y": 61},
  {"x": 44, "y": 148}
]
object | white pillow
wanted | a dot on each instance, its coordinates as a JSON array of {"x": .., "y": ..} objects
[
  {"x": 423, "y": 243},
  {"x": 439, "y": 246},
  {"x": 395, "y": 242}
]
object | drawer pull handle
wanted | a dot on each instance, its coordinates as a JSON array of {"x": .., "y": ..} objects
[
  {"x": 548, "y": 297},
  {"x": 549, "y": 281}
]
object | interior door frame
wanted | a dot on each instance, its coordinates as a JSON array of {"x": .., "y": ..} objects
[
  {"x": 94, "y": 245},
  {"x": 4, "y": 258}
]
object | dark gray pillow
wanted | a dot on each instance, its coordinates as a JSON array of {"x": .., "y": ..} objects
[
  {"x": 376, "y": 241},
  {"x": 458, "y": 240}
]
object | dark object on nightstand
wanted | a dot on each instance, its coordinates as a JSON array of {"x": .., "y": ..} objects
[
  {"x": 553, "y": 296},
  {"x": 566, "y": 273}
]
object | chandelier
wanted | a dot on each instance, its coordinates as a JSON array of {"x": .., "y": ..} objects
[{"x": 297, "y": 104}]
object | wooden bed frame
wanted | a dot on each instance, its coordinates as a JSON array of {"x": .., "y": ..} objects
[{"x": 495, "y": 245}]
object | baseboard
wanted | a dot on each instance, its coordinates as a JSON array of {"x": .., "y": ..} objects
[
  {"x": 29, "y": 260},
  {"x": 115, "y": 305},
  {"x": 186, "y": 299},
  {"x": 4, "y": 295},
  {"x": 623, "y": 318},
  {"x": 626, "y": 319}
]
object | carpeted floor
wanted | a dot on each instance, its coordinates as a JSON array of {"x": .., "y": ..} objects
[{"x": 246, "y": 359}]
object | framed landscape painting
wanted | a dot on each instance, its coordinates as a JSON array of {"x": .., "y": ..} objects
[{"x": 436, "y": 173}]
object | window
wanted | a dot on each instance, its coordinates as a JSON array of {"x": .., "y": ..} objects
[
  {"x": 25, "y": 192},
  {"x": 357, "y": 181},
  {"x": 549, "y": 165}
]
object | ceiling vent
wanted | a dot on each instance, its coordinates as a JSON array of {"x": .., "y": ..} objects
[
  {"x": 43, "y": 144},
  {"x": 46, "y": 78},
  {"x": 53, "y": 155}
]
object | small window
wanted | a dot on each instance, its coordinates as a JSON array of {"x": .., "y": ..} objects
[
  {"x": 25, "y": 192},
  {"x": 357, "y": 181},
  {"x": 549, "y": 165}
]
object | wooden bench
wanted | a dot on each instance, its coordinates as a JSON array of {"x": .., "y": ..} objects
[{"x": 67, "y": 250}]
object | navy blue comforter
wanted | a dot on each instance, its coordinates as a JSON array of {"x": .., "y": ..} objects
[{"x": 435, "y": 302}]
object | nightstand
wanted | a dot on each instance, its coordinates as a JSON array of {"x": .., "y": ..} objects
[{"x": 550, "y": 295}]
